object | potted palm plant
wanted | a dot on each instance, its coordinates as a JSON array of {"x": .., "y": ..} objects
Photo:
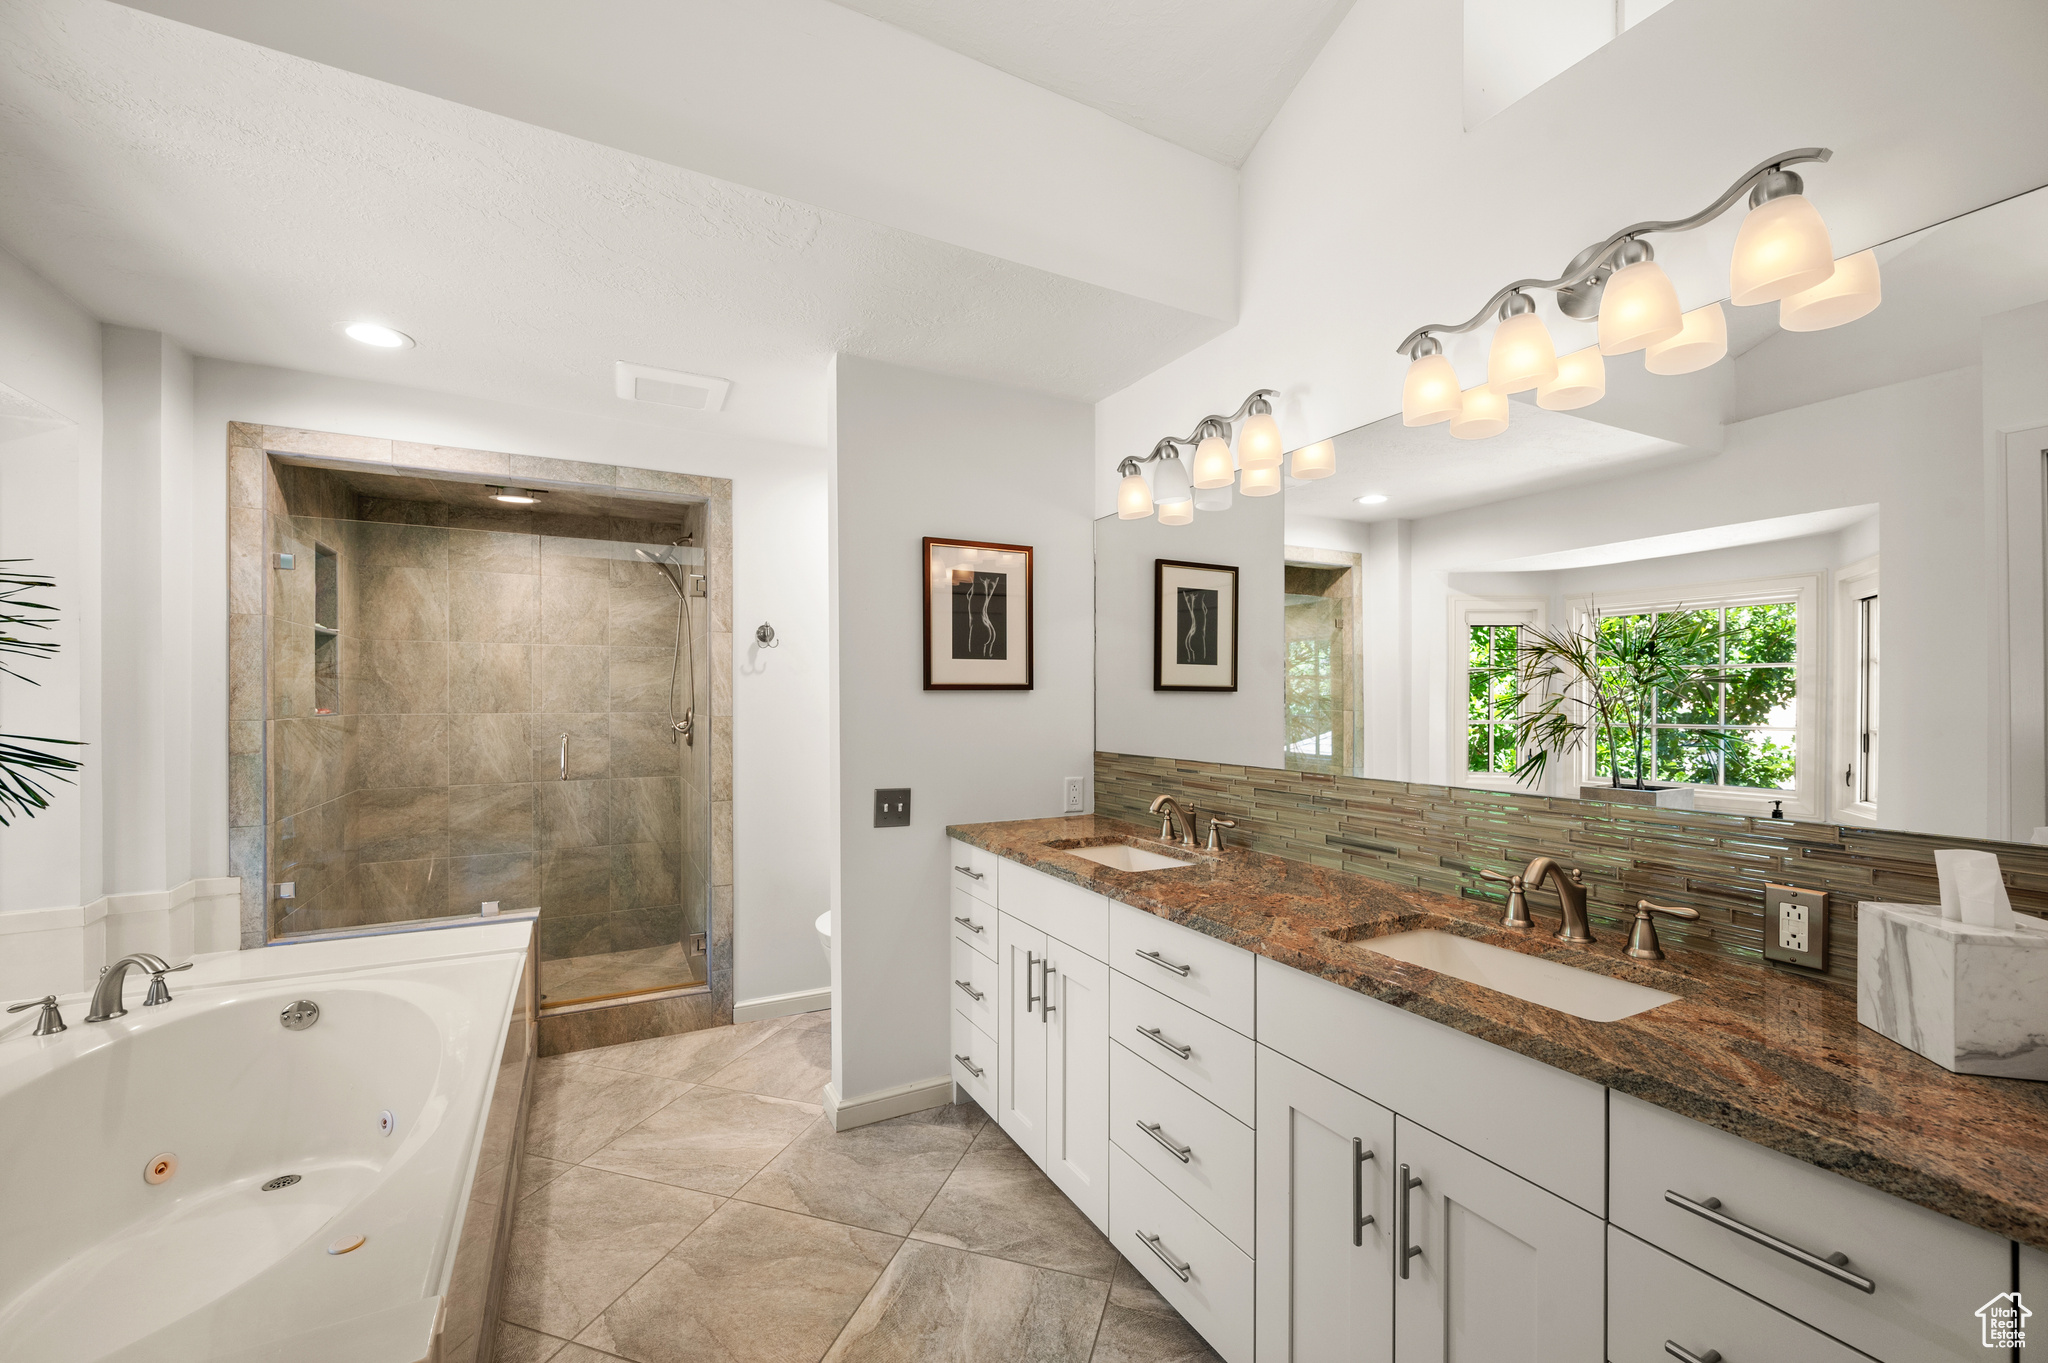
[
  {"x": 1601, "y": 682},
  {"x": 23, "y": 768}
]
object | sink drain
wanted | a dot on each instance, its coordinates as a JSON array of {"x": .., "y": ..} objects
[{"x": 281, "y": 1181}]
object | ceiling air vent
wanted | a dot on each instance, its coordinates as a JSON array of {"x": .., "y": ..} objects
[{"x": 671, "y": 387}]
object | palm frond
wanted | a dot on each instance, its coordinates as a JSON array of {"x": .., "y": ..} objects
[{"x": 22, "y": 794}]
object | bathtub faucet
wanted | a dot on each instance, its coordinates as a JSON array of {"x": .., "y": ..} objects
[{"x": 106, "y": 995}]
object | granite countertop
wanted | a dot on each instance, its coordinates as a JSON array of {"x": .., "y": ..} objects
[{"x": 1775, "y": 1059}]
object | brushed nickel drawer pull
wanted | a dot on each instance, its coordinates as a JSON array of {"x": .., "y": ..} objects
[
  {"x": 970, "y": 873},
  {"x": 1685, "y": 1355},
  {"x": 1835, "y": 1265},
  {"x": 968, "y": 989},
  {"x": 1183, "y": 1153},
  {"x": 968, "y": 923},
  {"x": 972, "y": 1068},
  {"x": 1152, "y": 1034},
  {"x": 1406, "y": 1218},
  {"x": 1181, "y": 1269},
  {"x": 1164, "y": 964},
  {"x": 1359, "y": 1219}
]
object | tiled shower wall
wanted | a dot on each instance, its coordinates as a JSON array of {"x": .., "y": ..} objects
[{"x": 1439, "y": 838}]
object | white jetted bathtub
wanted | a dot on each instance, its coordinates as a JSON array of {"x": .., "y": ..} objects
[{"x": 283, "y": 1147}]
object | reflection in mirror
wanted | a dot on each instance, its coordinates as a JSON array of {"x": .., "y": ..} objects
[{"x": 1681, "y": 581}]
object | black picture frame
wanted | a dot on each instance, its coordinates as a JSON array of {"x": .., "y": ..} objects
[
  {"x": 989, "y": 625},
  {"x": 1195, "y": 639}
]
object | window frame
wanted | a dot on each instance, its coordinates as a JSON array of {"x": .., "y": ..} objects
[
  {"x": 1851, "y": 584},
  {"x": 1810, "y": 671},
  {"x": 1465, "y": 613}
]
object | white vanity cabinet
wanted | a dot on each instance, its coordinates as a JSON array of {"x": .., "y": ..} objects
[{"x": 974, "y": 992}]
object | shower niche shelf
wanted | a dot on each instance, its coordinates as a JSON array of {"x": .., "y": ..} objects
[{"x": 326, "y": 631}]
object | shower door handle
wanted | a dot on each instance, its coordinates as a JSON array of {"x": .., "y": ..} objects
[{"x": 565, "y": 757}]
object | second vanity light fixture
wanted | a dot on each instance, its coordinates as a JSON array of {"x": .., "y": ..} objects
[
  {"x": 1177, "y": 491},
  {"x": 1782, "y": 256}
]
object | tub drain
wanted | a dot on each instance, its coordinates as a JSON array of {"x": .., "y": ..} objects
[{"x": 281, "y": 1181}]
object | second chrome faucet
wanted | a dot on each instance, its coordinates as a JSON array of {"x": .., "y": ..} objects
[{"x": 1571, "y": 897}]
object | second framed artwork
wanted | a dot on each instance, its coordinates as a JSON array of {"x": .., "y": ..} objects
[
  {"x": 977, "y": 616},
  {"x": 1194, "y": 626}
]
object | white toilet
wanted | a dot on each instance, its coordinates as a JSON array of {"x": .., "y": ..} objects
[{"x": 824, "y": 927}]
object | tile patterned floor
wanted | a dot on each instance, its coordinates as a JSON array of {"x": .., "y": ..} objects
[
  {"x": 683, "y": 1201},
  {"x": 619, "y": 972}
]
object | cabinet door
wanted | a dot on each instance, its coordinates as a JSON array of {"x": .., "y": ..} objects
[
  {"x": 1325, "y": 1286},
  {"x": 1020, "y": 1041},
  {"x": 1077, "y": 1079},
  {"x": 1506, "y": 1270}
]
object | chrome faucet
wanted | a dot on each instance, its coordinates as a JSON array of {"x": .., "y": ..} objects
[
  {"x": 1174, "y": 812},
  {"x": 106, "y": 995},
  {"x": 1571, "y": 896}
]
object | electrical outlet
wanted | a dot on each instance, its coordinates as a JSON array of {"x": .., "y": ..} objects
[
  {"x": 892, "y": 808},
  {"x": 1073, "y": 795},
  {"x": 1796, "y": 926}
]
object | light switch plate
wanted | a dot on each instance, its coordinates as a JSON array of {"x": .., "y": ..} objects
[
  {"x": 892, "y": 808},
  {"x": 1796, "y": 926}
]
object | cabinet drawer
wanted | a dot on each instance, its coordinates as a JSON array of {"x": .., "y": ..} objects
[
  {"x": 1548, "y": 1126},
  {"x": 974, "y": 871},
  {"x": 1206, "y": 1278},
  {"x": 973, "y": 986},
  {"x": 1209, "y": 976},
  {"x": 1930, "y": 1273},
  {"x": 1214, "y": 1169},
  {"x": 974, "y": 923},
  {"x": 1078, "y": 917},
  {"x": 1198, "y": 1051},
  {"x": 977, "y": 1072},
  {"x": 1654, "y": 1299}
]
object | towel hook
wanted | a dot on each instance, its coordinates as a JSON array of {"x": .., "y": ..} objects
[{"x": 765, "y": 636}]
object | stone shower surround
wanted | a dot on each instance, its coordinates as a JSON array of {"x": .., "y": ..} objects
[
  {"x": 1439, "y": 838},
  {"x": 459, "y": 625}
]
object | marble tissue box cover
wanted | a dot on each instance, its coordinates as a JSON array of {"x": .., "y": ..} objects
[{"x": 1973, "y": 1000}]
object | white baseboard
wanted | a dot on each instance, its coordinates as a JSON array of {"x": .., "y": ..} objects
[
  {"x": 781, "y": 1005},
  {"x": 61, "y": 949},
  {"x": 880, "y": 1107}
]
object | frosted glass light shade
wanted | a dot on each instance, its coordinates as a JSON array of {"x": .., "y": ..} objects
[
  {"x": 1133, "y": 498},
  {"x": 1638, "y": 308},
  {"x": 1430, "y": 392},
  {"x": 1314, "y": 461},
  {"x": 1170, "y": 482},
  {"x": 1782, "y": 249},
  {"x": 1581, "y": 379},
  {"x": 1702, "y": 340},
  {"x": 1213, "y": 498},
  {"x": 1177, "y": 513},
  {"x": 1484, "y": 413},
  {"x": 1258, "y": 442},
  {"x": 1259, "y": 482},
  {"x": 1523, "y": 355},
  {"x": 1212, "y": 464},
  {"x": 1850, "y": 292}
]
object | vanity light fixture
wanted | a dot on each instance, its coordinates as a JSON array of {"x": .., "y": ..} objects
[
  {"x": 517, "y": 496},
  {"x": 377, "y": 334},
  {"x": 1178, "y": 489},
  {"x": 1782, "y": 255}
]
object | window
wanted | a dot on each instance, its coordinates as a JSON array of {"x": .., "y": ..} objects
[
  {"x": 1311, "y": 706},
  {"x": 1736, "y": 725},
  {"x": 1492, "y": 699}
]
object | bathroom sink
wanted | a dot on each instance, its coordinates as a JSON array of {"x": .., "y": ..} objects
[
  {"x": 1119, "y": 856},
  {"x": 1596, "y": 998}
]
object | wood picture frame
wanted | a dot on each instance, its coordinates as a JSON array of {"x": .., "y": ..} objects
[
  {"x": 975, "y": 590},
  {"x": 1194, "y": 644}
]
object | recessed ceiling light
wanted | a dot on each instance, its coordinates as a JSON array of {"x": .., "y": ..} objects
[
  {"x": 1372, "y": 499},
  {"x": 377, "y": 334},
  {"x": 518, "y": 496}
]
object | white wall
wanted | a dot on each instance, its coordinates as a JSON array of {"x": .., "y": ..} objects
[
  {"x": 1368, "y": 210},
  {"x": 779, "y": 697},
  {"x": 917, "y": 454},
  {"x": 1247, "y": 726}
]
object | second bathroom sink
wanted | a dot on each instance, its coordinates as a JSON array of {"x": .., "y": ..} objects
[{"x": 1583, "y": 994}]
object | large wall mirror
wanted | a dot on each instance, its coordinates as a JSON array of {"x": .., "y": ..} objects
[{"x": 1837, "y": 535}]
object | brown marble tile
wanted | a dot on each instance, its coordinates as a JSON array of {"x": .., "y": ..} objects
[
  {"x": 569, "y": 935},
  {"x": 691, "y": 1056},
  {"x": 395, "y": 677},
  {"x": 721, "y": 757},
  {"x": 640, "y": 745},
  {"x": 247, "y": 637},
  {"x": 642, "y": 615},
  {"x": 573, "y": 607},
  {"x": 721, "y": 672},
  {"x": 644, "y": 875},
  {"x": 881, "y": 1176},
  {"x": 585, "y": 1238},
  {"x": 647, "y": 809},
  {"x": 710, "y": 1139},
  {"x": 937, "y": 1305},
  {"x": 493, "y": 607},
  {"x": 509, "y": 878},
  {"x": 573, "y": 813},
  {"x": 1132, "y": 1292},
  {"x": 573, "y": 678},
  {"x": 490, "y": 678},
  {"x": 564, "y": 1033},
  {"x": 998, "y": 1202},
  {"x": 562, "y": 471},
  {"x": 536, "y": 1172},
  {"x": 401, "y": 602},
  {"x": 590, "y": 745},
  {"x": 396, "y": 891},
  {"x": 493, "y": 551},
  {"x": 752, "y": 1285},
  {"x": 447, "y": 458},
  {"x": 398, "y": 823},
  {"x": 1144, "y": 1337},
  {"x": 578, "y": 1109},
  {"x": 308, "y": 764},
  {"x": 517, "y": 1344},
  {"x": 398, "y": 750},
  {"x": 639, "y": 679},
  {"x": 488, "y": 749},
  {"x": 721, "y": 842},
  {"x": 383, "y": 545},
  {"x": 794, "y": 1063},
  {"x": 291, "y": 669},
  {"x": 484, "y": 819},
  {"x": 325, "y": 444}
]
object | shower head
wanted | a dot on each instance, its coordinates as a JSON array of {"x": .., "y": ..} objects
[{"x": 669, "y": 570}]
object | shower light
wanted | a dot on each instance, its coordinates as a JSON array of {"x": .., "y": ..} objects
[
  {"x": 1372, "y": 499},
  {"x": 377, "y": 334},
  {"x": 1850, "y": 292},
  {"x": 1701, "y": 340},
  {"x": 1314, "y": 461},
  {"x": 1581, "y": 379},
  {"x": 1783, "y": 246},
  {"x": 515, "y": 495},
  {"x": 1523, "y": 354}
]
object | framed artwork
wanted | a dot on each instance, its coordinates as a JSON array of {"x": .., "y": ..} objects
[
  {"x": 977, "y": 616},
  {"x": 1194, "y": 626}
]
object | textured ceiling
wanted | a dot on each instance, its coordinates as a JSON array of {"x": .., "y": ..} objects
[
  {"x": 1206, "y": 74},
  {"x": 250, "y": 204}
]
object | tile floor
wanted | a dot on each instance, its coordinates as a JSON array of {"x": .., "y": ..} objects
[
  {"x": 683, "y": 1201},
  {"x": 573, "y": 978}
]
